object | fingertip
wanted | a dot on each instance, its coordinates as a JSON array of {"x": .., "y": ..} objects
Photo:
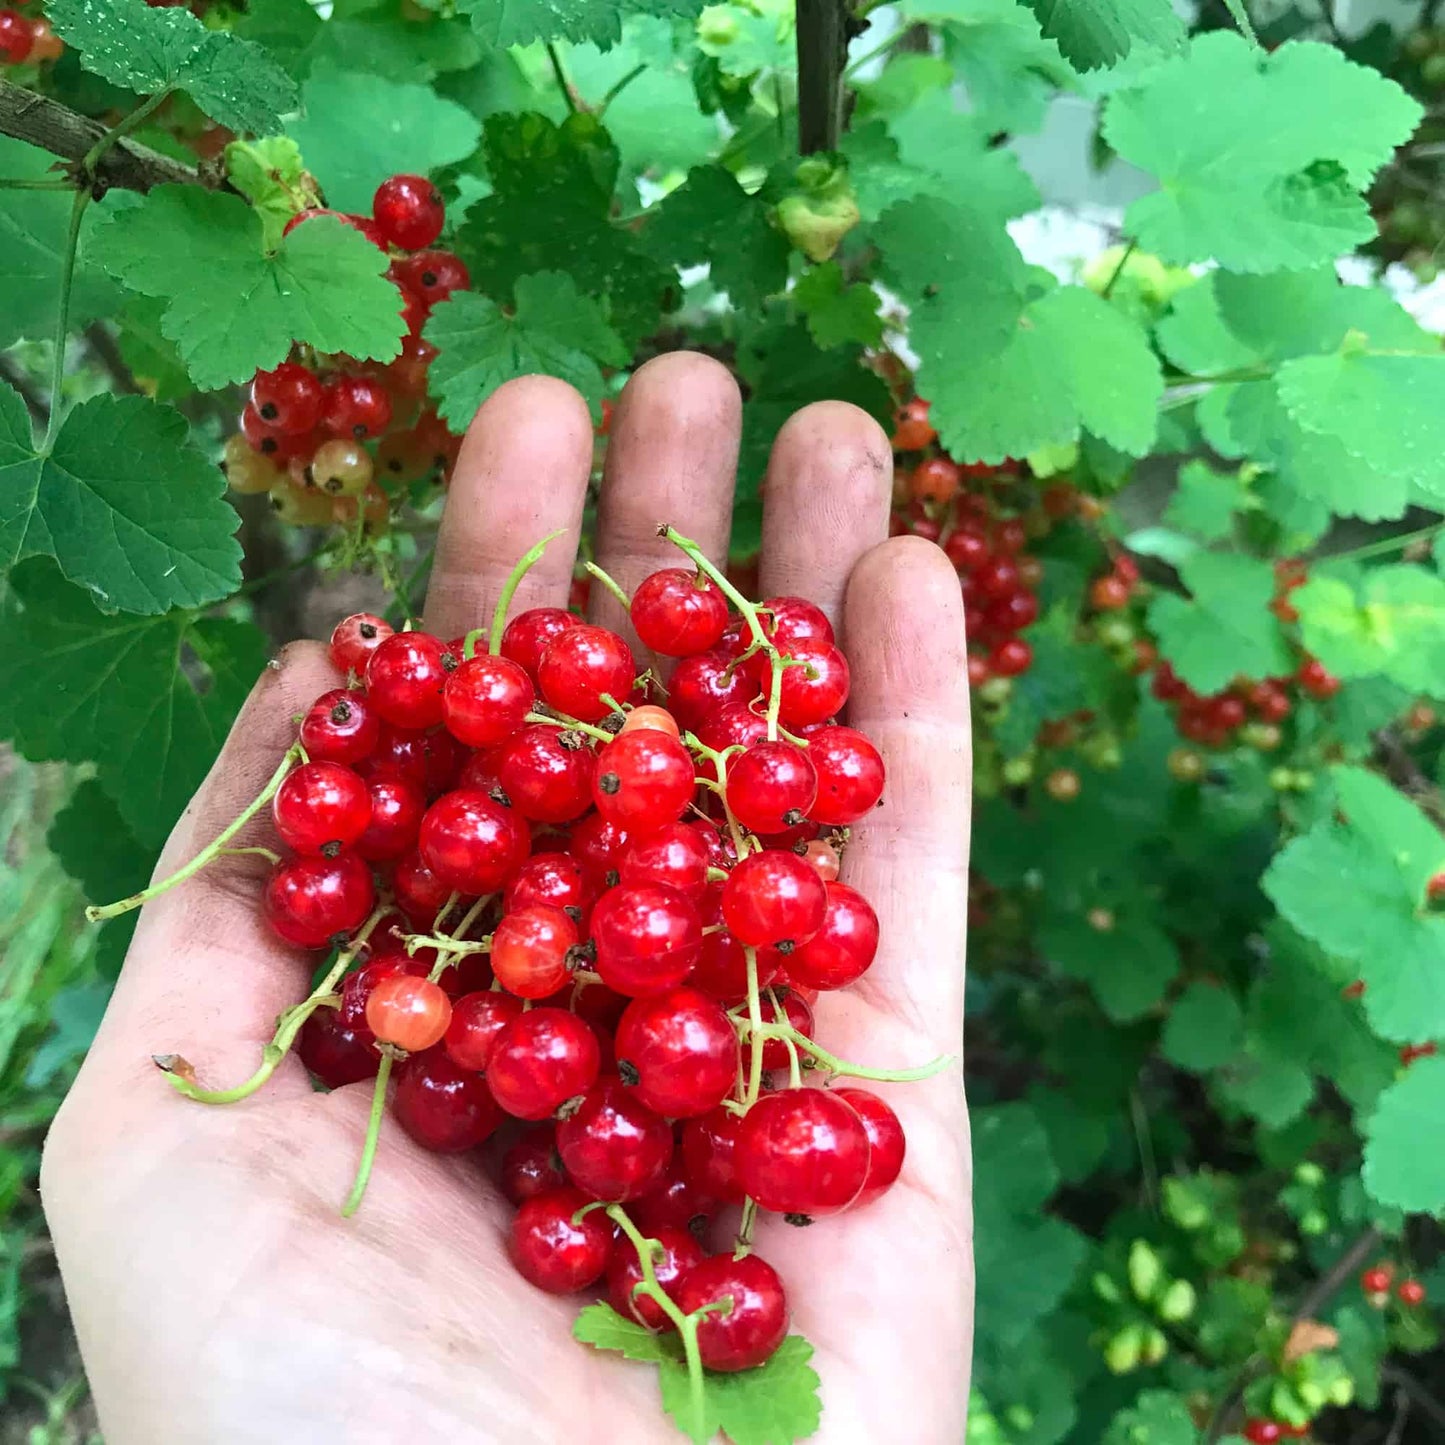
[{"x": 682, "y": 392}]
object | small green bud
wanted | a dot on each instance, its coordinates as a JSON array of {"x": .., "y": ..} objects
[
  {"x": 1146, "y": 1272},
  {"x": 1121, "y": 1354},
  {"x": 1177, "y": 1302}
]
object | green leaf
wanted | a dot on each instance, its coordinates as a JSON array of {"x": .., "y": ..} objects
[
  {"x": 774, "y": 1404},
  {"x": 408, "y": 128},
  {"x": 148, "y": 50},
  {"x": 272, "y": 176},
  {"x": 711, "y": 219},
  {"x": 1205, "y": 1028},
  {"x": 1226, "y": 627},
  {"x": 1206, "y": 501},
  {"x": 1260, "y": 155},
  {"x": 600, "y": 1326},
  {"x": 97, "y": 847},
  {"x": 837, "y": 313},
  {"x": 1092, "y": 33},
  {"x": 154, "y": 359},
  {"x": 1011, "y": 73},
  {"x": 503, "y": 23},
  {"x": 1063, "y": 679},
  {"x": 233, "y": 309},
  {"x": 1405, "y": 1141},
  {"x": 143, "y": 537},
  {"x": 148, "y": 700},
  {"x": 1129, "y": 967},
  {"x": 1275, "y": 1091},
  {"x": 1392, "y": 625},
  {"x": 554, "y": 330},
  {"x": 1157, "y": 1417}
]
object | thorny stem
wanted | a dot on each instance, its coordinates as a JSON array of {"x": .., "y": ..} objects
[
  {"x": 373, "y": 1135},
  {"x": 294, "y": 754},
  {"x": 287, "y": 1027},
  {"x": 525, "y": 563}
]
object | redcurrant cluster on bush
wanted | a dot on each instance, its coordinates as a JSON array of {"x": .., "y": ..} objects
[
  {"x": 593, "y": 915},
  {"x": 331, "y": 439},
  {"x": 27, "y": 40}
]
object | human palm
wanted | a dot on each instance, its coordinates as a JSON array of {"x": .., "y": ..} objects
[{"x": 217, "y": 1293}]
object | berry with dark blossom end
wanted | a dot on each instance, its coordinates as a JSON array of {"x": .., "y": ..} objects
[
  {"x": 843, "y": 948},
  {"x": 530, "y": 950},
  {"x": 612, "y": 1145},
  {"x": 541, "y": 1060},
  {"x": 580, "y": 667},
  {"x": 311, "y": 901},
  {"x": 340, "y": 727},
  {"x": 405, "y": 676},
  {"x": 471, "y": 843},
  {"x": 432, "y": 275},
  {"x": 486, "y": 699},
  {"x": 408, "y": 211},
  {"x": 773, "y": 899},
  {"x": 355, "y": 638},
  {"x": 644, "y": 780},
  {"x": 321, "y": 808},
  {"x": 289, "y": 398},
  {"x": 706, "y": 683},
  {"x": 356, "y": 408},
  {"x": 546, "y": 773},
  {"x": 772, "y": 786},
  {"x": 850, "y": 776}
]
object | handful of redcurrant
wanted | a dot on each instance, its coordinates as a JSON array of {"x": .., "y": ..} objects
[{"x": 580, "y": 911}]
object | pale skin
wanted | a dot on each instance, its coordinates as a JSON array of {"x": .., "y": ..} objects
[{"x": 217, "y": 1293}]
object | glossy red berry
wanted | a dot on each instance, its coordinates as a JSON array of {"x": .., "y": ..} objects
[
  {"x": 1262, "y": 1432},
  {"x": 408, "y": 211},
  {"x": 419, "y": 892},
  {"x": 432, "y": 275},
  {"x": 477, "y": 1019},
  {"x": 677, "y": 1052},
  {"x": 773, "y": 899},
  {"x": 647, "y": 938},
  {"x": 709, "y": 1154},
  {"x": 1410, "y": 1292},
  {"x": 675, "y": 856},
  {"x": 612, "y": 1145},
  {"x": 912, "y": 429},
  {"x": 430, "y": 759},
  {"x": 598, "y": 846},
  {"x": 771, "y": 787},
  {"x": 555, "y": 1251},
  {"x": 747, "y": 1334},
  {"x": 471, "y": 843},
  {"x": 486, "y": 700},
  {"x": 411, "y": 1013},
  {"x": 321, "y": 808},
  {"x": 311, "y": 901},
  {"x": 1010, "y": 658},
  {"x": 738, "y": 724},
  {"x": 1109, "y": 593},
  {"x": 677, "y": 1201},
  {"x": 1317, "y": 680},
  {"x": 340, "y": 727},
  {"x": 356, "y": 407},
  {"x": 532, "y": 1166},
  {"x": 553, "y": 879},
  {"x": 886, "y": 1143},
  {"x": 797, "y": 1012},
  {"x": 644, "y": 780},
  {"x": 842, "y": 950},
  {"x": 816, "y": 686},
  {"x": 721, "y": 970},
  {"x": 336, "y": 1054},
  {"x": 528, "y": 634},
  {"x": 530, "y": 949},
  {"x": 358, "y": 986},
  {"x": 789, "y": 621},
  {"x": 546, "y": 773},
  {"x": 355, "y": 638},
  {"x": 706, "y": 683},
  {"x": 288, "y": 399},
  {"x": 397, "y": 808},
  {"x": 803, "y": 1151},
  {"x": 678, "y": 613},
  {"x": 540, "y": 1060},
  {"x": 582, "y": 664},
  {"x": 442, "y": 1107},
  {"x": 405, "y": 676},
  {"x": 678, "y": 1253},
  {"x": 1012, "y": 612},
  {"x": 17, "y": 38},
  {"x": 850, "y": 776}
]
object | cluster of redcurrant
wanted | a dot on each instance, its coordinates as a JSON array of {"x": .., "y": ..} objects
[
  {"x": 326, "y": 436},
  {"x": 962, "y": 509},
  {"x": 596, "y": 925},
  {"x": 26, "y": 40},
  {"x": 1376, "y": 1282}
]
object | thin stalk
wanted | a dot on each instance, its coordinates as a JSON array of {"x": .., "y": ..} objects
[
  {"x": 755, "y": 1029},
  {"x": 617, "y": 89},
  {"x": 208, "y": 854},
  {"x": 743, "y": 1245},
  {"x": 570, "y": 725},
  {"x": 454, "y": 946},
  {"x": 373, "y": 1135},
  {"x": 36, "y": 183},
  {"x": 525, "y": 563},
  {"x": 610, "y": 583},
  {"x": 1386, "y": 544},
  {"x": 561, "y": 75},
  {"x": 1118, "y": 271},
  {"x": 843, "y": 1068}
]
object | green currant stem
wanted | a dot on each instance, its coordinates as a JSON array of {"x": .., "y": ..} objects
[
  {"x": 373, "y": 1134},
  {"x": 570, "y": 725},
  {"x": 444, "y": 943},
  {"x": 525, "y": 563},
  {"x": 795, "y": 1069},
  {"x": 270, "y": 855},
  {"x": 446, "y": 909},
  {"x": 842, "y": 1068},
  {"x": 451, "y": 947},
  {"x": 720, "y": 787},
  {"x": 744, "y": 1243},
  {"x": 208, "y": 854},
  {"x": 287, "y": 1027},
  {"x": 611, "y": 584},
  {"x": 755, "y": 1029},
  {"x": 561, "y": 75},
  {"x": 36, "y": 183}
]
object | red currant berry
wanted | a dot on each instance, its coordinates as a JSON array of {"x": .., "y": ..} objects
[
  {"x": 555, "y": 1251},
  {"x": 842, "y": 950},
  {"x": 579, "y": 666},
  {"x": 552, "y": 879},
  {"x": 311, "y": 901},
  {"x": 773, "y": 900},
  {"x": 411, "y": 1013},
  {"x": 409, "y": 212},
  {"x": 541, "y": 1060},
  {"x": 997, "y": 578},
  {"x": 647, "y": 938},
  {"x": 477, "y": 1019},
  {"x": 850, "y": 776},
  {"x": 721, "y": 970},
  {"x": 337, "y": 1055},
  {"x": 530, "y": 951},
  {"x": 321, "y": 808},
  {"x": 598, "y": 846},
  {"x": 644, "y": 780},
  {"x": 529, "y": 633},
  {"x": 912, "y": 430},
  {"x": 816, "y": 686},
  {"x": 442, "y": 1107},
  {"x": 1317, "y": 680},
  {"x": 288, "y": 399},
  {"x": 788, "y": 621},
  {"x": 431, "y": 275},
  {"x": 675, "y": 856},
  {"x": 747, "y": 1334},
  {"x": 706, "y": 683},
  {"x": 17, "y": 39},
  {"x": 771, "y": 787},
  {"x": 1435, "y": 887},
  {"x": 546, "y": 773},
  {"x": 612, "y": 1145},
  {"x": 796, "y": 1012},
  {"x": 486, "y": 700},
  {"x": 886, "y": 1144},
  {"x": 1108, "y": 594},
  {"x": 678, "y": 1253},
  {"x": 709, "y": 1154},
  {"x": 1012, "y": 613},
  {"x": 675, "y": 1202},
  {"x": 405, "y": 676},
  {"x": 358, "y": 986},
  {"x": 735, "y": 725},
  {"x": 803, "y": 1151},
  {"x": 431, "y": 760},
  {"x": 678, "y": 613},
  {"x": 648, "y": 716},
  {"x": 355, "y": 638},
  {"x": 356, "y": 407},
  {"x": 1262, "y": 1432},
  {"x": 397, "y": 808},
  {"x": 1010, "y": 658},
  {"x": 1410, "y": 1292},
  {"x": 471, "y": 843},
  {"x": 678, "y": 1052},
  {"x": 419, "y": 892},
  {"x": 532, "y": 1166},
  {"x": 340, "y": 727}
]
